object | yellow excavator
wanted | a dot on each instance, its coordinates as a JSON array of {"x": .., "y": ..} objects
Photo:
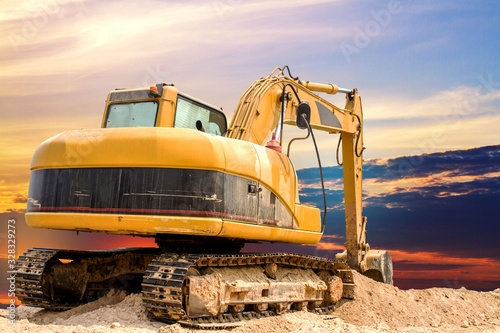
[{"x": 167, "y": 165}]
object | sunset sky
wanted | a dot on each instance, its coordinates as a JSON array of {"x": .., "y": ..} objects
[{"x": 428, "y": 73}]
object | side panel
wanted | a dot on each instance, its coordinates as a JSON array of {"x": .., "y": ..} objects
[
  {"x": 308, "y": 218},
  {"x": 147, "y": 201},
  {"x": 248, "y": 201},
  {"x": 148, "y": 191},
  {"x": 272, "y": 211},
  {"x": 242, "y": 201},
  {"x": 278, "y": 173}
]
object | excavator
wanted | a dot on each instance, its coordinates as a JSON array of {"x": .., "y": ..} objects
[{"x": 167, "y": 165}]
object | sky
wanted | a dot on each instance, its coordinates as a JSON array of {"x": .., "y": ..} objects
[{"x": 428, "y": 73}]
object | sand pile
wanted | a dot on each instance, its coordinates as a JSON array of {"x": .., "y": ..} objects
[
  {"x": 115, "y": 312},
  {"x": 435, "y": 307},
  {"x": 377, "y": 308}
]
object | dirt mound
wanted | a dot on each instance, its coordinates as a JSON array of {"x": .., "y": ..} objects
[
  {"x": 113, "y": 311},
  {"x": 377, "y": 308},
  {"x": 435, "y": 307}
]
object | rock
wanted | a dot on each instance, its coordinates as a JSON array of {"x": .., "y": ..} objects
[
  {"x": 115, "y": 325},
  {"x": 465, "y": 324}
]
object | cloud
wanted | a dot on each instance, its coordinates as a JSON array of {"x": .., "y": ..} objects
[
  {"x": 459, "y": 117},
  {"x": 460, "y": 101},
  {"x": 445, "y": 202},
  {"x": 407, "y": 265},
  {"x": 95, "y": 36},
  {"x": 19, "y": 198},
  {"x": 416, "y": 269},
  {"x": 462, "y": 162}
]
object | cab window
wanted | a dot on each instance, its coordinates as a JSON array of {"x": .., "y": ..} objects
[
  {"x": 188, "y": 112},
  {"x": 133, "y": 114}
]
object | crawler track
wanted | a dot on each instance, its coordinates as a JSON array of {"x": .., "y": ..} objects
[
  {"x": 165, "y": 298},
  {"x": 29, "y": 269},
  {"x": 103, "y": 270},
  {"x": 164, "y": 285}
]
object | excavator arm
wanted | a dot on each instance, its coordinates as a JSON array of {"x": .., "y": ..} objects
[{"x": 275, "y": 99}]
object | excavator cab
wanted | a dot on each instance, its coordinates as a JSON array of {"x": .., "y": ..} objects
[{"x": 156, "y": 108}]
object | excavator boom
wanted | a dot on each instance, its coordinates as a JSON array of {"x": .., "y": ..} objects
[{"x": 250, "y": 123}]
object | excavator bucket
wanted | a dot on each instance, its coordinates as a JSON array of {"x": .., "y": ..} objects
[{"x": 376, "y": 264}]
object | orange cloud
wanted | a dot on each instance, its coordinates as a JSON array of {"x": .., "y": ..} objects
[
  {"x": 18, "y": 142},
  {"x": 425, "y": 266},
  {"x": 329, "y": 243},
  {"x": 428, "y": 269},
  {"x": 329, "y": 246},
  {"x": 377, "y": 186}
]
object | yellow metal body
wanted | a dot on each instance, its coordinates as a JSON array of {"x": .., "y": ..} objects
[
  {"x": 240, "y": 153},
  {"x": 174, "y": 148}
]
